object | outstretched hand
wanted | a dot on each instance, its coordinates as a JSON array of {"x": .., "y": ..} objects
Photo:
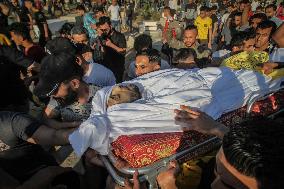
[
  {"x": 191, "y": 119},
  {"x": 135, "y": 185}
]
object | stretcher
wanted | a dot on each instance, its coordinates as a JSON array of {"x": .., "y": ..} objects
[{"x": 184, "y": 146}]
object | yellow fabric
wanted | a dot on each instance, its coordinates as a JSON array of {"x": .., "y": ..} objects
[
  {"x": 251, "y": 61},
  {"x": 203, "y": 26},
  {"x": 190, "y": 175},
  {"x": 4, "y": 40}
]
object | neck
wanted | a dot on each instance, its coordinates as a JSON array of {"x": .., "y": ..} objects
[
  {"x": 85, "y": 67},
  {"x": 27, "y": 44},
  {"x": 262, "y": 48},
  {"x": 83, "y": 93}
]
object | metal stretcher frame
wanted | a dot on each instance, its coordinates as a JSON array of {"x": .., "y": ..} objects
[{"x": 150, "y": 172}]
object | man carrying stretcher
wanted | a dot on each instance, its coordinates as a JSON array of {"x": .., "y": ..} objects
[{"x": 122, "y": 110}]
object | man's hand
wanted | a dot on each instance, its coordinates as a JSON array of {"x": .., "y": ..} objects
[
  {"x": 167, "y": 179},
  {"x": 268, "y": 67},
  {"x": 191, "y": 119},
  {"x": 135, "y": 185},
  {"x": 34, "y": 67},
  {"x": 210, "y": 45},
  {"x": 109, "y": 43}
]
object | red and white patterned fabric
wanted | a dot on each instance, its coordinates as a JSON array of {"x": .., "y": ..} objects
[{"x": 142, "y": 150}]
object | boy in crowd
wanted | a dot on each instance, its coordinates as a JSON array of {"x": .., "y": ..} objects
[{"x": 204, "y": 27}]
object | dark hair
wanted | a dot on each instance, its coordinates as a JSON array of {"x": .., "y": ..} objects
[
  {"x": 98, "y": 9},
  {"x": 20, "y": 29},
  {"x": 141, "y": 42},
  {"x": 239, "y": 38},
  {"x": 80, "y": 7},
  {"x": 153, "y": 54},
  {"x": 103, "y": 20},
  {"x": 66, "y": 29},
  {"x": 82, "y": 48},
  {"x": 259, "y": 7},
  {"x": 260, "y": 16},
  {"x": 255, "y": 148},
  {"x": 204, "y": 8},
  {"x": 214, "y": 7},
  {"x": 183, "y": 54},
  {"x": 191, "y": 27},
  {"x": 244, "y": 2},
  {"x": 271, "y": 6},
  {"x": 78, "y": 30},
  {"x": 167, "y": 8},
  {"x": 267, "y": 24},
  {"x": 237, "y": 14}
]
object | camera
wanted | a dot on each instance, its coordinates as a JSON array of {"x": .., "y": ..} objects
[{"x": 103, "y": 38}]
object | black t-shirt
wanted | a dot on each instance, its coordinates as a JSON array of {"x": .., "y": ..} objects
[
  {"x": 190, "y": 6},
  {"x": 3, "y": 23},
  {"x": 17, "y": 157},
  {"x": 214, "y": 18},
  {"x": 113, "y": 59},
  {"x": 23, "y": 14},
  {"x": 40, "y": 20}
]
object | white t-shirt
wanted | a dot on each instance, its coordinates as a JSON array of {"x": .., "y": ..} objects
[
  {"x": 225, "y": 18},
  {"x": 99, "y": 75},
  {"x": 114, "y": 12}
]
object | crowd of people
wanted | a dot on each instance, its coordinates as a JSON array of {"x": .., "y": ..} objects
[{"x": 48, "y": 85}]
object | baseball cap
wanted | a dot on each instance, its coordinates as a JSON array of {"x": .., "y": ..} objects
[
  {"x": 54, "y": 70},
  {"x": 60, "y": 44}
]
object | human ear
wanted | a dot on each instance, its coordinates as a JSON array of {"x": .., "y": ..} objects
[
  {"x": 79, "y": 61},
  {"x": 74, "y": 83},
  {"x": 157, "y": 67}
]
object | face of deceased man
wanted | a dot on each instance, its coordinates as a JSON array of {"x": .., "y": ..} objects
[{"x": 123, "y": 94}]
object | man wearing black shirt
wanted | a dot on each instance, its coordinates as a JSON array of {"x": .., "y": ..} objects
[
  {"x": 114, "y": 47},
  {"x": 40, "y": 21},
  {"x": 22, "y": 159}
]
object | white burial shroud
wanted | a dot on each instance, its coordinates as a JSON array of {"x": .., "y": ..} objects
[{"x": 212, "y": 90}]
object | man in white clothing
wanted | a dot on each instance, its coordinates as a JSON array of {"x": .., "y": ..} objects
[{"x": 114, "y": 15}]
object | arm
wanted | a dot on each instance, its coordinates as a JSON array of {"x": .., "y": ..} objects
[
  {"x": 28, "y": 129},
  {"x": 210, "y": 37},
  {"x": 116, "y": 48},
  {"x": 245, "y": 14},
  {"x": 15, "y": 56},
  {"x": 45, "y": 30},
  {"x": 191, "y": 119},
  {"x": 48, "y": 136}
]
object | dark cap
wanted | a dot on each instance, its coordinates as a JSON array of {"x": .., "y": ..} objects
[
  {"x": 82, "y": 48},
  {"x": 56, "y": 69},
  {"x": 60, "y": 44}
]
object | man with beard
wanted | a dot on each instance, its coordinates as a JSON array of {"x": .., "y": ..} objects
[
  {"x": 61, "y": 79},
  {"x": 270, "y": 11},
  {"x": 264, "y": 31},
  {"x": 112, "y": 44}
]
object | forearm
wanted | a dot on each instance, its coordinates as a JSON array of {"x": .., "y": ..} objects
[
  {"x": 45, "y": 30},
  {"x": 220, "y": 130},
  {"x": 245, "y": 17},
  {"x": 118, "y": 49},
  {"x": 210, "y": 36},
  {"x": 15, "y": 56}
]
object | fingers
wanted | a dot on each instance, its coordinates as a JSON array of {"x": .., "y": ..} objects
[
  {"x": 187, "y": 115},
  {"x": 127, "y": 184},
  {"x": 190, "y": 110},
  {"x": 136, "y": 180}
]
